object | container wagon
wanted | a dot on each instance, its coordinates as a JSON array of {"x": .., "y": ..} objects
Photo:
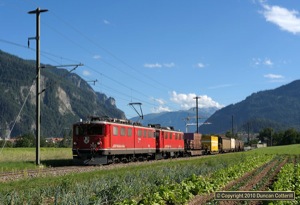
[
  {"x": 224, "y": 144},
  {"x": 239, "y": 145},
  {"x": 232, "y": 144},
  {"x": 192, "y": 144},
  {"x": 210, "y": 144}
]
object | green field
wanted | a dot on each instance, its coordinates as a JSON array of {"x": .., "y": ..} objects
[
  {"x": 150, "y": 181},
  {"x": 13, "y": 159}
]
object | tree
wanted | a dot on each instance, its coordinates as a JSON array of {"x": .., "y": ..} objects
[
  {"x": 26, "y": 140},
  {"x": 6, "y": 142},
  {"x": 290, "y": 137},
  {"x": 266, "y": 135},
  {"x": 67, "y": 140}
]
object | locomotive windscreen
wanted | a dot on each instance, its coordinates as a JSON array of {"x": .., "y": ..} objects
[{"x": 89, "y": 129}]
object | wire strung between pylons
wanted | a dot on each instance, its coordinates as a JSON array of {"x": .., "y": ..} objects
[{"x": 10, "y": 131}]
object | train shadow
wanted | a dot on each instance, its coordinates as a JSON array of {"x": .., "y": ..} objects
[{"x": 58, "y": 162}]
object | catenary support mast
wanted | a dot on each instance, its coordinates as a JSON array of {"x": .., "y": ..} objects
[
  {"x": 38, "y": 73},
  {"x": 197, "y": 118}
]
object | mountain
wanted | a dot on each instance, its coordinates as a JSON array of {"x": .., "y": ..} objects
[
  {"x": 66, "y": 98},
  {"x": 178, "y": 119},
  {"x": 278, "y": 108}
]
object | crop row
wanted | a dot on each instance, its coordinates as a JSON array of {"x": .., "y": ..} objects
[
  {"x": 133, "y": 183},
  {"x": 288, "y": 179},
  {"x": 181, "y": 193}
]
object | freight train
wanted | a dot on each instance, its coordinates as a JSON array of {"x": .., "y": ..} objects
[{"x": 104, "y": 140}]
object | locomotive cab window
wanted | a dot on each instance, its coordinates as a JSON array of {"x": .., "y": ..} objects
[
  {"x": 80, "y": 130},
  {"x": 95, "y": 130}
]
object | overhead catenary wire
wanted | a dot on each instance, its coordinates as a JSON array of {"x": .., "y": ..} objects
[
  {"x": 107, "y": 51},
  {"x": 75, "y": 29},
  {"x": 110, "y": 53},
  {"x": 18, "y": 116},
  {"x": 106, "y": 62},
  {"x": 44, "y": 54}
]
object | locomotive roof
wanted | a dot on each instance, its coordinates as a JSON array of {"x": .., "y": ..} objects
[{"x": 105, "y": 119}]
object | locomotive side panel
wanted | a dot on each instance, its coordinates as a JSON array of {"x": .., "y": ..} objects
[
  {"x": 144, "y": 140},
  {"x": 121, "y": 139},
  {"x": 169, "y": 143}
]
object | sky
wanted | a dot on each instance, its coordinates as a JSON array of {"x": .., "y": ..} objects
[{"x": 163, "y": 54}]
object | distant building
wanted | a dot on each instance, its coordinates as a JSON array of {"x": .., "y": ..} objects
[{"x": 54, "y": 140}]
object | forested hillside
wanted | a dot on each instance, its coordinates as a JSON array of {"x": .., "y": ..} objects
[
  {"x": 66, "y": 98},
  {"x": 278, "y": 108}
]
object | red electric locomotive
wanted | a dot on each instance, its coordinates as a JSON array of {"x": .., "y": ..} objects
[
  {"x": 108, "y": 140},
  {"x": 169, "y": 143}
]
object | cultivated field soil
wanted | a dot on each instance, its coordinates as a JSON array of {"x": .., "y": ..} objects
[{"x": 174, "y": 181}]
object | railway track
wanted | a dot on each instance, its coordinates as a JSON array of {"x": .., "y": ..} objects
[{"x": 42, "y": 172}]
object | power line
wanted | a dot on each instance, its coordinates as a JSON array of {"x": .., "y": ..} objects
[
  {"x": 109, "y": 52},
  {"x": 18, "y": 116},
  {"x": 149, "y": 78},
  {"x": 145, "y": 103}
]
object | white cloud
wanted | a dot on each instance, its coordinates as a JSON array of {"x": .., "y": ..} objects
[
  {"x": 169, "y": 65},
  {"x": 161, "y": 106},
  {"x": 200, "y": 65},
  {"x": 159, "y": 65},
  {"x": 86, "y": 73},
  {"x": 287, "y": 20},
  {"x": 268, "y": 62},
  {"x": 256, "y": 61},
  {"x": 160, "y": 101},
  {"x": 96, "y": 57},
  {"x": 259, "y": 62},
  {"x": 106, "y": 22},
  {"x": 187, "y": 101},
  {"x": 153, "y": 65},
  {"x": 273, "y": 76}
]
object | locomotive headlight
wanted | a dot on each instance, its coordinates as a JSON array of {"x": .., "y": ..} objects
[
  {"x": 98, "y": 143},
  {"x": 74, "y": 143}
]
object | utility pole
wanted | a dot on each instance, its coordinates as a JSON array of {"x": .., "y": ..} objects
[
  {"x": 38, "y": 74},
  {"x": 197, "y": 97},
  {"x": 232, "y": 126}
]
